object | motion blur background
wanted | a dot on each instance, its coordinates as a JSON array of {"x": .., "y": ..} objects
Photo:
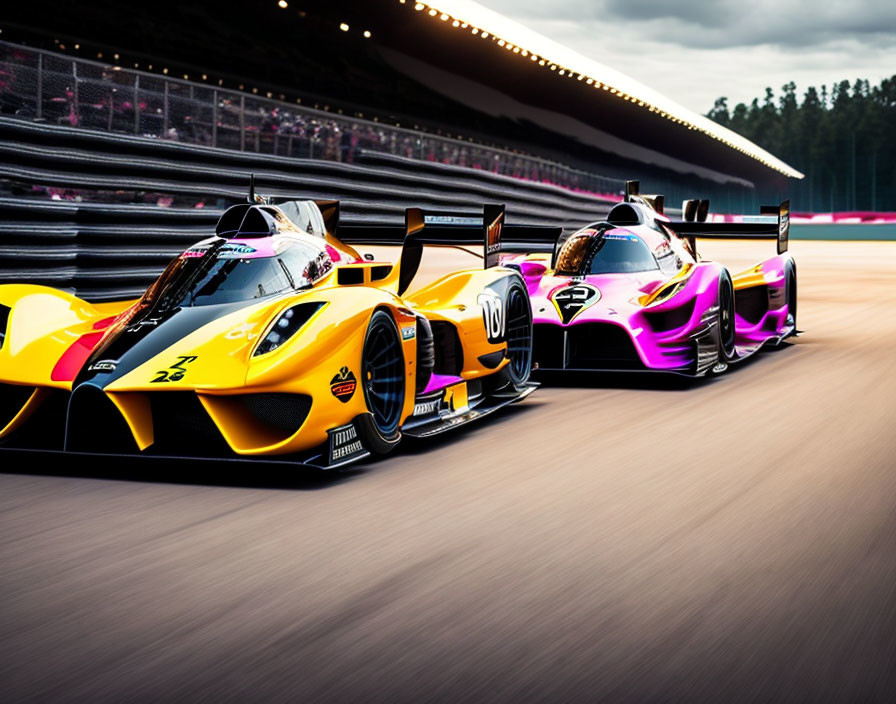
[{"x": 611, "y": 538}]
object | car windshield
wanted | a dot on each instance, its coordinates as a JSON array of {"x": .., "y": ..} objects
[
  {"x": 590, "y": 253},
  {"x": 221, "y": 273}
]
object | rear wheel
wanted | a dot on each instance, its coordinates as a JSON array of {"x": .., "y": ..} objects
[
  {"x": 790, "y": 293},
  {"x": 383, "y": 380},
  {"x": 519, "y": 333},
  {"x": 726, "y": 318}
]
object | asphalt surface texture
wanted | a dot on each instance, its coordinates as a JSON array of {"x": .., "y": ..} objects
[{"x": 611, "y": 538}]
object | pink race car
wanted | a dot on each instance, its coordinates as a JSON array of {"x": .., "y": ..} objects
[{"x": 631, "y": 293}]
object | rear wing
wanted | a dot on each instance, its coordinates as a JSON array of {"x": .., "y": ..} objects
[
  {"x": 442, "y": 228},
  {"x": 776, "y": 227},
  {"x": 773, "y": 223},
  {"x": 450, "y": 230}
]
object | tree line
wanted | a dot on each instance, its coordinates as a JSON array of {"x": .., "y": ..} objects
[{"x": 842, "y": 139}]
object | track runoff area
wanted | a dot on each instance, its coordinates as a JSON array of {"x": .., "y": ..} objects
[{"x": 617, "y": 538}]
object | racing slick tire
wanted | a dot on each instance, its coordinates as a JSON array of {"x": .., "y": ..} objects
[
  {"x": 726, "y": 318},
  {"x": 513, "y": 376},
  {"x": 790, "y": 297},
  {"x": 519, "y": 332},
  {"x": 383, "y": 382}
]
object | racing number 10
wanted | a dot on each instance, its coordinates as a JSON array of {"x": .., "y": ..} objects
[{"x": 493, "y": 315}]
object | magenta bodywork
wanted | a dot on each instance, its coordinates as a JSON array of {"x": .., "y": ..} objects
[{"x": 612, "y": 328}]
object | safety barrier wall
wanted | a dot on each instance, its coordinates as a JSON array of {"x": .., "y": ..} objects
[{"x": 83, "y": 210}]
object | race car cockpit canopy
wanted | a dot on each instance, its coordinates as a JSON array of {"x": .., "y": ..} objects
[
  {"x": 604, "y": 250},
  {"x": 224, "y": 271}
]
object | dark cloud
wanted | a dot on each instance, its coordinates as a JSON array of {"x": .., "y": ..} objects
[
  {"x": 694, "y": 52},
  {"x": 722, "y": 23},
  {"x": 690, "y": 12}
]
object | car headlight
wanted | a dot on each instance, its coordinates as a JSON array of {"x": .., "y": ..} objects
[
  {"x": 664, "y": 294},
  {"x": 4, "y": 322},
  {"x": 288, "y": 324}
]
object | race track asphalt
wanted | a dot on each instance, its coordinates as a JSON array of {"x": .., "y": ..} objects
[{"x": 612, "y": 538}]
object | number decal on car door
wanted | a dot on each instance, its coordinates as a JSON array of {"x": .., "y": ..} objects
[{"x": 493, "y": 314}]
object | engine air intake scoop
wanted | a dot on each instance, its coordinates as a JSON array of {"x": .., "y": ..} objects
[{"x": 248, "y": 221}]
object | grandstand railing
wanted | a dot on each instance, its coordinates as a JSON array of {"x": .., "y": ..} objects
[
  {"x": 58, "y": 89},
  {"x": 100, "y": 213}
]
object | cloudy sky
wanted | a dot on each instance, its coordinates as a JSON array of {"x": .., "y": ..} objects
[{"x": 697, "y": 50}]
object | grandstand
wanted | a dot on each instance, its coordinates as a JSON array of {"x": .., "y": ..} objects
[
  {"x": 448, "y": 69},
  {"x": 126, "y": 130}
]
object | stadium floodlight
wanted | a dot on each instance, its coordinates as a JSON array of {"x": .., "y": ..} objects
[{"x": 512, "y": 34}]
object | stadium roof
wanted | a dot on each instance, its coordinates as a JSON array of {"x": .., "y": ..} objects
[
  {"x": 467, "y": 16},
  {"x": 449, "y": 66}
]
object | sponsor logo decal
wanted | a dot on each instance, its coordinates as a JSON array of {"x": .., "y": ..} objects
[
  {"x": 427, "y": 407},
  {"x": 493, "y": 314},
  {"x": 175, "y": 372},
  {"x": 149, "y": 322},
  {"x": 783, "y": 226},
  {"x": 493, "y": 225},
  {"x": 241, "y": 331},
  {"x": 344, "y": 443},
  {"x": 494, "y": 237},
  {"x": 343, "y": 385},
  {"x": 409, "y": 333},
  {"x": 105, "y": 365},
  {"x": 572, "y": 300},
  {"x": 229, "y": 251}
]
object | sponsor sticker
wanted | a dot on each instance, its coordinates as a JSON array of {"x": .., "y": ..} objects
[
  {"x": 138, "y": 326},
  {"x": 493, "y": 314},
  {"x": 783, "y": 226},
  {"x": 451, "y": 220},
  {"x": 343, "y": 385},
  {"x": 105, "y": 365},
  {"x": 426, "y": 407},
  {"x": 238, "y": 333},
  {"x": 344, "y": 444},
  {"x": 176, "y": 371},
  {"x": 229, "y": 251},
  {"x": 572, "y": 300},
  {"x": 409, "y": 333}
]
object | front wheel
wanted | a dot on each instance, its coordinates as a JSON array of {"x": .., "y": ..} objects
[
  {"x": 383, "y": 381},
  {"x": 727, "y": 330}
]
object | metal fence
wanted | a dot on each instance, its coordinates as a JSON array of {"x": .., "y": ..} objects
[{"x": 59, "y": 89}]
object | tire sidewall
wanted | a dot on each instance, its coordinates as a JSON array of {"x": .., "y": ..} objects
[
  {"x": 791, "y": 290},
  {"x": 725, "y": 281},
  {"x": 377, "y": 440},
  {"x": 516, "y": 283}
]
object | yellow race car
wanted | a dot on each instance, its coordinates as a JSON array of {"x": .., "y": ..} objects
[{"x": 271, "y": 338}]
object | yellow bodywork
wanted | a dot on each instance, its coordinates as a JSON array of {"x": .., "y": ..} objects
[{"x": 45, "y": 324}]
